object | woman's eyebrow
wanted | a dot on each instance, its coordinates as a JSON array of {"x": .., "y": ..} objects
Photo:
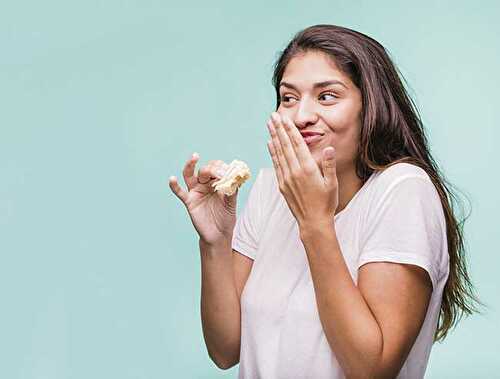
[{"x": 315, "y": 85}]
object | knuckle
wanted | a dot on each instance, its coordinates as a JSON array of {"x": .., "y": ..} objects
[{"x": 309, "y": 170}]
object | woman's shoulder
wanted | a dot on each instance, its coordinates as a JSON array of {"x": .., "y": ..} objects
[
  {"x": 403, "y": 187},
  {"x": 405, "y": 178},
  {"x": 403, "y": 169},
  {"x": 397, "y": 173}
]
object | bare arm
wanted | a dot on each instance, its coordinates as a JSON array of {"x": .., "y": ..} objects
[
  {"x": 370, "y": 327},
  {"x": 220, "y": 304}
]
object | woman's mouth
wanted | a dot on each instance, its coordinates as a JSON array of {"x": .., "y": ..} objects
[{"x": 312, "y": 139}]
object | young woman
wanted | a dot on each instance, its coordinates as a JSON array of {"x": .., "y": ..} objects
[{"x": 348, "y": 250}]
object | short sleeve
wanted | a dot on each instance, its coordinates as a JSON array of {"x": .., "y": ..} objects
[
  {"x": 405, "y": 225},
  {"x": 246, "y": 233}
]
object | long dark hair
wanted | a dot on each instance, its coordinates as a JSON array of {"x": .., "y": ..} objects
[{"x": 391, "y": 132}]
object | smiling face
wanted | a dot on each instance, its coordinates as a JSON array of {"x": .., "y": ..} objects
[{"x": 332, "y": 109}]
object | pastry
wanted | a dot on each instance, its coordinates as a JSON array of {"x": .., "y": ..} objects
[{"x": 236, "y": 174}]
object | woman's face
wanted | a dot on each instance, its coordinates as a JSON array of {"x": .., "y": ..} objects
[{"x": 332, "y": 109}]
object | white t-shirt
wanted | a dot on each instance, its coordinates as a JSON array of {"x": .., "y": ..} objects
[{"x": 396, "y": 216}]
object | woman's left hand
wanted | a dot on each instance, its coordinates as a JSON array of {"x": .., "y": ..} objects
[{"x": 311, "y": 196}]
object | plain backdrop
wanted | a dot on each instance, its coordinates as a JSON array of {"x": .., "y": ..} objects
[{"x": 102, "y": 101}]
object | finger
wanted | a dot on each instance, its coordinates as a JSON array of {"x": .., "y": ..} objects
[
  {"x": 190, "y": 178},
  {"x": 213, "y": 170},
  {"x": 286, "y": 144},
  {"x": 177, "y": 190},
  {"x": 274, "y": 158},
  {"x": 304, "y": 156},
  {"x": 283, "y": 165}
]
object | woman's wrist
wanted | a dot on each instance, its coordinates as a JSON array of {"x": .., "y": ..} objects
[{"x": 215, "y": 246}]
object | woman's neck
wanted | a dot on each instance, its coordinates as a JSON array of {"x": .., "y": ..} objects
[{"x": 349, "y": 185}]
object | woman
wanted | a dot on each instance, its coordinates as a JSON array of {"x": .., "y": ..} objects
[{"x": 348, "y": 250}]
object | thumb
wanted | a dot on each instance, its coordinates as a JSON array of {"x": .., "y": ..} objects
[{"x": 329, "y": 163}]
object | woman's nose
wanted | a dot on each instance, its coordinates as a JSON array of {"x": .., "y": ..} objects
[{"x": 305, "y": 114}]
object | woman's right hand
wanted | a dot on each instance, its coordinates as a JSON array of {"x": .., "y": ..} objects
[{"x": 212, "y": 213}]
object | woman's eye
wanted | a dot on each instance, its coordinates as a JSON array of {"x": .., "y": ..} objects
[
  {"x": 285, "y": 99},
  {"x": 328, "y": 94}
]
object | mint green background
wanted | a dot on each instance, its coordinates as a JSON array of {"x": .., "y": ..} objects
[{"x": 102, "y": 101}]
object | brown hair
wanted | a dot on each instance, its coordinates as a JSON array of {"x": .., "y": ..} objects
[{"x": 391, "y": 132}]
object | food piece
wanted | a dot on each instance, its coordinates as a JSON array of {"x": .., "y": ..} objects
[{"x": 236, "y": 174}]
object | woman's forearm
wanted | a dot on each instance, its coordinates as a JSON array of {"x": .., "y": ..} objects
[
  {"x": 220, "y": 306},
  {"x": 350, "y": 328}
]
